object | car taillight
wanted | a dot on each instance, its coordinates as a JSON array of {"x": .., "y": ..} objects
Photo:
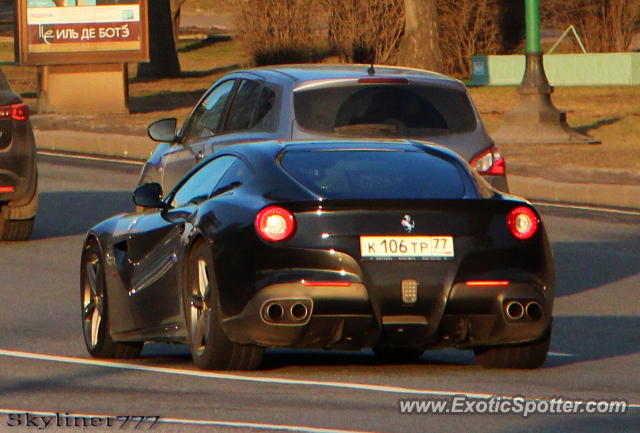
[
  {"x": 490, "y": 163},
  {"x": 275, "y": 224},
  {"x": 522, "y": 222},
  {"x": 19, "y": 112}
]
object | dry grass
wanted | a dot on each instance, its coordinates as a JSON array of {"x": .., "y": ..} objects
[{"x": 609, "y": 114}]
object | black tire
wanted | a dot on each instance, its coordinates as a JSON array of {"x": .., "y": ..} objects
[
  {"x": 15, "y": 230},
  {"x": 94, "y": 310},
  {"x": 398, "y": 354},
  {"x": 522, "y": 356},
  {"x": 211, "y": 349}
]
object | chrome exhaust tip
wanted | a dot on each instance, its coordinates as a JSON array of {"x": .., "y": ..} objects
[
  {"x": 514, "y": 310},
  {"x": 534, "y": 310},
  {"x": 299, "y": 312},
  {"x": 273, "y": 312}
]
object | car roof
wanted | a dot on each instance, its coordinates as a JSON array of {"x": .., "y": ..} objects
[{"x": 314, "y": 72}]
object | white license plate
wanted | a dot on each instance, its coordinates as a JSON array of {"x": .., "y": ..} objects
[{"x": 408, "y": 247}]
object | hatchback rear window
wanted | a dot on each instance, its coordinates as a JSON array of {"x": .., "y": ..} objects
[
  {"x": 385, "y": 110},
  {"x": 375, "y": 174}
]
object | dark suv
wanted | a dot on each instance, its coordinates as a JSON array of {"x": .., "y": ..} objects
[
  {"x": 18, "y": 173},
  {"x": 299, "y": 102}
]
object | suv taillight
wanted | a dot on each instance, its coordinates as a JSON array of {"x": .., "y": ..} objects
[
  {"x": 275, "y": 224},
  {"x": 490, "y": 163},
  {"x": 19, "y": 112}
]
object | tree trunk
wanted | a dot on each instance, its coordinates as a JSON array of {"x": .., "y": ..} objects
[
  {"x": 176, "y": 7},
  {"x": 162, "y": 47},
  {"x": 420, "y": 46}
]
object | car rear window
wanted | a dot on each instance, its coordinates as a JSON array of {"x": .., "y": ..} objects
[
  {"x": 409, "y": 110},
  {"x": 375, "y": 174}
]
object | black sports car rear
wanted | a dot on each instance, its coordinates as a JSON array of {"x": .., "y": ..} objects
[{"x": 398, "y": 246}]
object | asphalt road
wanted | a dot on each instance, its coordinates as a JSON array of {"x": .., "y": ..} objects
[{"x": 595, "y": 342}]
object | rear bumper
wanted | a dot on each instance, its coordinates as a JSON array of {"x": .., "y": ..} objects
[
  {"x": 343, "y": 318},
  {"x": 336, "y": 317}
]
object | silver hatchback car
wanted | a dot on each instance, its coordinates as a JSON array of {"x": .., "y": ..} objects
[{"x": 298, "y": 102}]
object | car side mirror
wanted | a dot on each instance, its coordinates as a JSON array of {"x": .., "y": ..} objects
[
  {"x": 163, "y": 130},
  {"x": 149, "y": 195}
]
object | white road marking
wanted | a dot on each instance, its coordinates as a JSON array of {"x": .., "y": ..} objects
[
  {"x": 90, "y": 157},
  {"x": 261, "y": 379},
  {"x": 188, "y": 421}
]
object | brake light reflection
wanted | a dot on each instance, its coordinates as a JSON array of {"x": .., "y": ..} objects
[
  {"x": 326, "y": 283},
  {"x": 487, "y": 283}
]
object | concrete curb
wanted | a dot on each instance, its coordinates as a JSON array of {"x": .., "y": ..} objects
[{"x": 533, "y": 188}]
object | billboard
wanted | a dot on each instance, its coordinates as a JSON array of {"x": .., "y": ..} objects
[{"x": 62, "y": 32}]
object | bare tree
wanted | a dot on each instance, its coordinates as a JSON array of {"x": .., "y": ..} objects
[
  {"x": 604, "y": 25},
  {"x": 468, "y": 28},
  {"x": 366, "y": 31},
  {"x": 281, "y": 31}
]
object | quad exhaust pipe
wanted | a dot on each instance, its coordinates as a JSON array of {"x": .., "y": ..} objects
[
  {"x": 534, "y": 310},
  {"x": 516, "y": 310},
  {"x": 299, "y": 311},
  {"x": 274, "y": 312},
  {"x": 286, "y": 311}
]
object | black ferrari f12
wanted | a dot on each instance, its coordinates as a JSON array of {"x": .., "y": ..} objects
[{"x": 398, "y": 246}]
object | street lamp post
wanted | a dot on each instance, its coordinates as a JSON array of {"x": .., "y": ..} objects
[{"x": 536, "y": 119}]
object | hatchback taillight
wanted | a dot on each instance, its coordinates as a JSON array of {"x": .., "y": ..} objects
[
  {"x": 522, "y": 222},
  {"x": 275, "y": 224},
  {"x": 490, "y": 163},
  {"x": 19, "y": 112}
]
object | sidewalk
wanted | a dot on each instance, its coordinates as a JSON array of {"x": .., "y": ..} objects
[{"x": 619, "y": 190}]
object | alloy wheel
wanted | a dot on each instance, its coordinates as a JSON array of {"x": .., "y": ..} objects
[
  {"x": 199, "y": 310},
  {"x": 93, "y": 301}
]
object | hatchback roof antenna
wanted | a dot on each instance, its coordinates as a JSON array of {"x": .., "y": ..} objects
[{"x": 371, "y": 70}]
